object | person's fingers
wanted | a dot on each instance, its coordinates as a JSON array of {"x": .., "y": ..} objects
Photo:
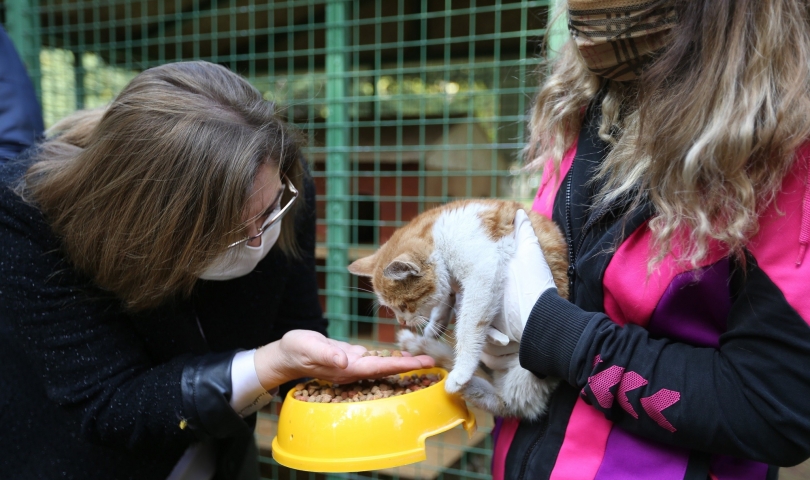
[
  {"x": 521, "y": 217},
  {"x": 498, "y": 350},
  {"x": 341, "y": 345},
  {"x": 524, "y": 231},
  {"x": 426, "y": 361},
  {"x": 332, "y": 356},
  {"x": 341, "y": 359},
  {"x": 349, "y": 348},
  {"x": 495, "y": 337},
  {"x": 500, "y": 362},
  {"x": 384, "y": 366},
  {"x": 372, "y": 367},
  {"x": 392, "y": 365},
  {"x": 523, "y": 226}
]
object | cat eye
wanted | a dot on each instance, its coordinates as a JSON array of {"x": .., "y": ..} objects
[{"x": 403, "y": 307}]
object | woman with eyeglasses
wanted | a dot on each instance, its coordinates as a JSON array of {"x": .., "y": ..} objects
[{"x": 157, "y": 285}]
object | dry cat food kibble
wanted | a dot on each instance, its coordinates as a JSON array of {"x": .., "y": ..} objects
[
  {"x": 383, "y": 353},
  {"x": 364, "y": 390}
]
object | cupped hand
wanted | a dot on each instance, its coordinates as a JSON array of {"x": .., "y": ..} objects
[{"x": 304, "y": 353}]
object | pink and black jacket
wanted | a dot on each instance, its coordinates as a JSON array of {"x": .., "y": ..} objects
[{"x": 680, "y": 374}]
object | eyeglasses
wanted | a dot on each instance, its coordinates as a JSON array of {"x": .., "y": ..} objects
[{"x": 275, "y": 218}]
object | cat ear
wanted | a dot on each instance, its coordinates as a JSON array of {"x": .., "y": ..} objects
[
  {"x": 363, "y": 267},
  {"x": 401, "y": 268}
]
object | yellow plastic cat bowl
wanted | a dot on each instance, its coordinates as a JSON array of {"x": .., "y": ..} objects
[{"x": 370, "y": 435}]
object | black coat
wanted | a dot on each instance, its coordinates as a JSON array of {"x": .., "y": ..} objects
[{"x": 90, "y": 391}]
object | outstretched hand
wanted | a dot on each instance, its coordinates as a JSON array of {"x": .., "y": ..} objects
[{"x": 304, "y": 353}]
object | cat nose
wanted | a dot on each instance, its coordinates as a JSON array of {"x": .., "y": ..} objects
[{"x": 401, "y": 321}]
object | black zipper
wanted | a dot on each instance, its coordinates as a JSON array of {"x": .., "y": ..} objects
[
  {"x": 572, "y": 258},
  {"x": 541, "y": 434},
  {"x": 572, "y": 252},
  {"x": 590, "y": 223},
  {"x": 570, "y": 232}
]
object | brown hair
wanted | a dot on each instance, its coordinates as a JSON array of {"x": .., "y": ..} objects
[
  {"x": 146, "y": 192},
  {"x": 709, "y": 129}
]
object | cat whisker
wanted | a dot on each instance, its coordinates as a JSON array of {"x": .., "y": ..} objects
[
  {"x": 420, "y": 325},
  {"x": 390, "y": 310},
  {"x": 442, "y": 330},
  {"x": 444, "y": 333},
  {"x": 361, "y": 289},
  {"x": 428, "y": 329},
  {"x": 452, "y": 307},
  {"x": 447, "y": 337},
  {"x": 374, "y": 308},
  {"x": 439, "y": 329}
]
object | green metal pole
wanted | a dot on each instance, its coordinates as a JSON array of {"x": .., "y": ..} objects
[
  {"x": 22, "y": 26},
  {"x": 558, "y": 30},
  {"x": 78, "y": 75},
  {"x": 337, "y": 170}
]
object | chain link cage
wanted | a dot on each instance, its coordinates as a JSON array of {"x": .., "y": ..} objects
[{"x": 406, "y": 104}]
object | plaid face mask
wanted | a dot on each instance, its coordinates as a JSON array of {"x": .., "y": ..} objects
[{"x": 617, "y": 37}]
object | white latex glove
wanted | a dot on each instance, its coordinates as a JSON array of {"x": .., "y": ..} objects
[{"x": 527, "y": 277}]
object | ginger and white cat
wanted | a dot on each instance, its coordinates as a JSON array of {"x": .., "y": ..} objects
[{"x": 453, "y": 257}]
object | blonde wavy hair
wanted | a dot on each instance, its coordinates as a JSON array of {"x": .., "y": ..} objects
[
  {"x": 707, "y": 132},
  {"x": 148, "y": 191}
]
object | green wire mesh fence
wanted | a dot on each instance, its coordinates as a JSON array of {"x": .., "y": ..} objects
[{"x": 406, "y": 104}]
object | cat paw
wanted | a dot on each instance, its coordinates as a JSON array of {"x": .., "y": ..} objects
[
  {"x": 420, "y": 345},
  {"x": 452, "y": 383},
  {"x": 410, "y": 342},
  {"x": 481, "y": 394}
]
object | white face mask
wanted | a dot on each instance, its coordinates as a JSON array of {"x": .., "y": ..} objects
[{"x": 242, "y": 259}]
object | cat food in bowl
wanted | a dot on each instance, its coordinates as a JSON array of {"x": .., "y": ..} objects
[{"x": 366, "y": 433}]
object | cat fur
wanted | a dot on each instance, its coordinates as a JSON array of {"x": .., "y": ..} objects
[{"x": 454, "y": 258}]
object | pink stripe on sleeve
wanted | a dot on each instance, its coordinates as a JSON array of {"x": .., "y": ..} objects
[
  {"x": 777, "y": 242},
  {"x": 550, "y": 183},
  {"x": 631, "y": 293},
  {"x": 502, "y": 444},
  {"x": 584, "y": 444},
  {"x": 630, "y": 296}
]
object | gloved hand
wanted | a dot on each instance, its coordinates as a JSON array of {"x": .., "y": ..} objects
[{"x": 527, "y": 277}]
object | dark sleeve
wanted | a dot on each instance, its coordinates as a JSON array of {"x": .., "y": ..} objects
[
  {"x": 87, "y": 355},
  {"x": 300, "y": 306},
  {"x": 748, "y": 398},
  {"x": 20, "y": 115}
]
